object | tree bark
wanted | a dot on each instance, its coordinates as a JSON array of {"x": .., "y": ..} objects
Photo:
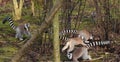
[
  {"x": 98, "y": 10},
  {"x": 43, "y": 26},
  {"x": 33, "y": 8},
  {"x": 56, "y": 42},
  {"x": 17, "y": 9}
]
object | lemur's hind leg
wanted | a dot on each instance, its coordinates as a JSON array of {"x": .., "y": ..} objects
[
  {"x": 77, "y": 53},
  {"x": 19, "y": 36},
  {"x": 16, "y": 36},
  {"x": 80, "y": 52},
  {"x": 86, "y": 55}
]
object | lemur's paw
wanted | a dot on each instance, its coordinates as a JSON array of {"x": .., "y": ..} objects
[{"x": 20, "y": 39}]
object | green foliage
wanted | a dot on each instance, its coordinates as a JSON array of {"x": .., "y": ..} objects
[{"x": 7, "y": 52}]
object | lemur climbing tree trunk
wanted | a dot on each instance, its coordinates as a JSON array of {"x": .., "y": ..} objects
[
  {"x": 18, "y": 4},
  {"x": 35, "y": 35}
]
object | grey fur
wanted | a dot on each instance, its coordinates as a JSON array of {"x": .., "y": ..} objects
[{"x": 22, "y": 29}]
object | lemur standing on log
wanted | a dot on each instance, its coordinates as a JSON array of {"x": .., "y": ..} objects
[{"x": 22, "y": 29}]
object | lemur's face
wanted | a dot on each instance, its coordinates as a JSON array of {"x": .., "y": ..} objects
[
  {"x": 69, "y": 55},
  {"x": 27, "y": 25},
  {"x": 27, "y": 28}
]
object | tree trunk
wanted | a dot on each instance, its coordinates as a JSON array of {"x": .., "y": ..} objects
[
  {"x": 17, "y": 9},
  {"x": 98, "y": 10},
  {"x": 43, "y": 26},
  {"x": 66, "y": 13},
  {"x": 33, "y": 8},
  {"x": 56, "y": 42}
]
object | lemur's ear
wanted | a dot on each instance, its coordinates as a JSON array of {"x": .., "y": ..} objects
[{"x": 5, "y": 19}]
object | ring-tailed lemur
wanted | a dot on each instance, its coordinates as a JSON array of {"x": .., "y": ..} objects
[
  {"x": 71, "y": 43},
  {"x": 22, "y": 29},
  {"x": 84, "y": 34},
  {"x": 78, "y": 52},
  {"x": 75, "y": 54}
]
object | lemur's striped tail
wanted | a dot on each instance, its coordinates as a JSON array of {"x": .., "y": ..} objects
[
  {"x": 10, "y": 22},
  {"x": 98, "y": 43},
  {"x": 68, "y": 32},
  {"x": 63, "y": 38},
  {"x": 62, "y": 34}
]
